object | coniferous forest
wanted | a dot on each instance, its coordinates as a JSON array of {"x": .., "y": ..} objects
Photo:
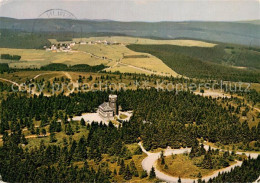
[
  {"x": 153, "y": 112},
  {"x": 160, "y": 119}
]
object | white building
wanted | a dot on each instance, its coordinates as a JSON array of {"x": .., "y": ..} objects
[{"x": 108, "y": 110}]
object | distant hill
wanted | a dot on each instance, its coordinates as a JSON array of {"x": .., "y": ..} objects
[
  {"x": 245, "y": 33},
  {"x": 256, "y": 22}
]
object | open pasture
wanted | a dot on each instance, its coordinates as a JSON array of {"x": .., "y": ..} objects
[
  {"x": 122, "y": 59},
  {"x": 136, "y": 40},
  {"x": 32, "y": 58}
]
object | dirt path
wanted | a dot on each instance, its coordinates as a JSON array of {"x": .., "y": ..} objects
[
  {"x": 150, "y": 161},
  {"x": 95, "y": 56},
  {"x": 138, "y": 68},
  {"x": 35, "y": 77},
  {"x": 29, "y": 136},
  {"x": 37, "y": 136},
  {"x": 257, "y": 109},
  {"x": 9, "y": 81},
  {"x": 74, "y": 84}
]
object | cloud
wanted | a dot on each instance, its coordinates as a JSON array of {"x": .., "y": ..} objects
[
  {"x": 145, "y": 1},
  {"x": 3, "y": 2}
]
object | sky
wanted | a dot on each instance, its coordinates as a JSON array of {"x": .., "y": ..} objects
[{"x": 138, "y": 10}]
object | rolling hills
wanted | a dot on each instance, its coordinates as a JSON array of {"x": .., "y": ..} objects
[{"x": 231, "y": 32}]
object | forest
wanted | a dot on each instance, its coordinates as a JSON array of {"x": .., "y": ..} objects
[
  {"x": 47, "y": 163},
  {"x": 78, "y": 67},
  {"x": 206, "y": 63},
  {"x": 4, "y": 68},
  {"x": 185, "y": 116},
  {"x": 248, "y": 172}
]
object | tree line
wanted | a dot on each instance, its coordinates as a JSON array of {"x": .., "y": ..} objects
[
  {"x": 10, "y": 57},
  {"x": 248, "y": 172}
]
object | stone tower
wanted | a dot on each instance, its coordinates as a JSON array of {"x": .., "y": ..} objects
[{"x": 112, "y": 103}]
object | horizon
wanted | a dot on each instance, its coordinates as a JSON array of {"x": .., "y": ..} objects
[
  {"x": 86, "y": 19},
  {"x": 138, "y": 10}
]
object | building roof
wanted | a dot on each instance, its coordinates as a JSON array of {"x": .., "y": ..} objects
[
  {"x": 112, "y": 96},
  {"x": 105, "y": 107}
]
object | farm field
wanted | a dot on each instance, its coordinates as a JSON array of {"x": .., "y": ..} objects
[
  {"x": 149, "y": 57},
  {"x": 109, "y": 55},
  {"x": 131, "y": 61},
  {"x": 134, "y": 40},
  {"x": 32, "y": 58}
]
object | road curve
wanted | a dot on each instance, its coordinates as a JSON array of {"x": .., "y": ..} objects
[
  {"x": 150, "y": 161},
  {"x": 9, "y": 81}
]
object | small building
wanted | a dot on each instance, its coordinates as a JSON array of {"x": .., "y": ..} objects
[
  {"x": 108, "y": 110},
  {"x": 53, "y": 48},
  {"x": 72, "y": 44}
]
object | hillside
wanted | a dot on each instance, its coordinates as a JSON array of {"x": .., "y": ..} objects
[
  {"x": 207, "y": 63},
  {"x": 231, "y": 32}
]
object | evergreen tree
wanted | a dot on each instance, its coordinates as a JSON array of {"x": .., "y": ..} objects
[
  {"x": 43, "y": 132},
  {"x": 115, "y": 172},
  {"x": 122, "y": 167},
  {"x": 143, "y": 174},
  {"x": 128, "y": 174},
  {"x": 179, "y": 180},
  {"x": 82, "y": 122},
  {"x": 152, "y": 173},
  {"x": 52, "y": 137}
]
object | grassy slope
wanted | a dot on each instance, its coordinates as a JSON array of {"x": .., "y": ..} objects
[
  {"x": 37, "y": 58},
  {"x": 117, "y": 53},
  {"x": 184, "y": 167},
  {"x": 138, "y": 40},
  {"x": 199, "y": 62}
]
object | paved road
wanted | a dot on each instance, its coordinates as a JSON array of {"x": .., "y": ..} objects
[{"x": 150, "y": 161}]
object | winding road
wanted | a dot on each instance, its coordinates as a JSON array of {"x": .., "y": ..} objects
[{"x": 150, "y": 161}]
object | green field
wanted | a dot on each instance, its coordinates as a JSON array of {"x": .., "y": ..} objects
[
  {"x": 137, "y": 40},
  {"x": 125, "y": 60},
  {"x": 32, "y": 58}
]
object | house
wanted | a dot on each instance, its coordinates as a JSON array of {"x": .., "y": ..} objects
[
  {"x": 83, "y": 42},
  {"x": 53, "y": 48},
  {"x": 72, "y": 44},
  {"x": 108, "y": 110}
]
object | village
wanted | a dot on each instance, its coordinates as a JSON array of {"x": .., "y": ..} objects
[{"x": 67, "y": 47}]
